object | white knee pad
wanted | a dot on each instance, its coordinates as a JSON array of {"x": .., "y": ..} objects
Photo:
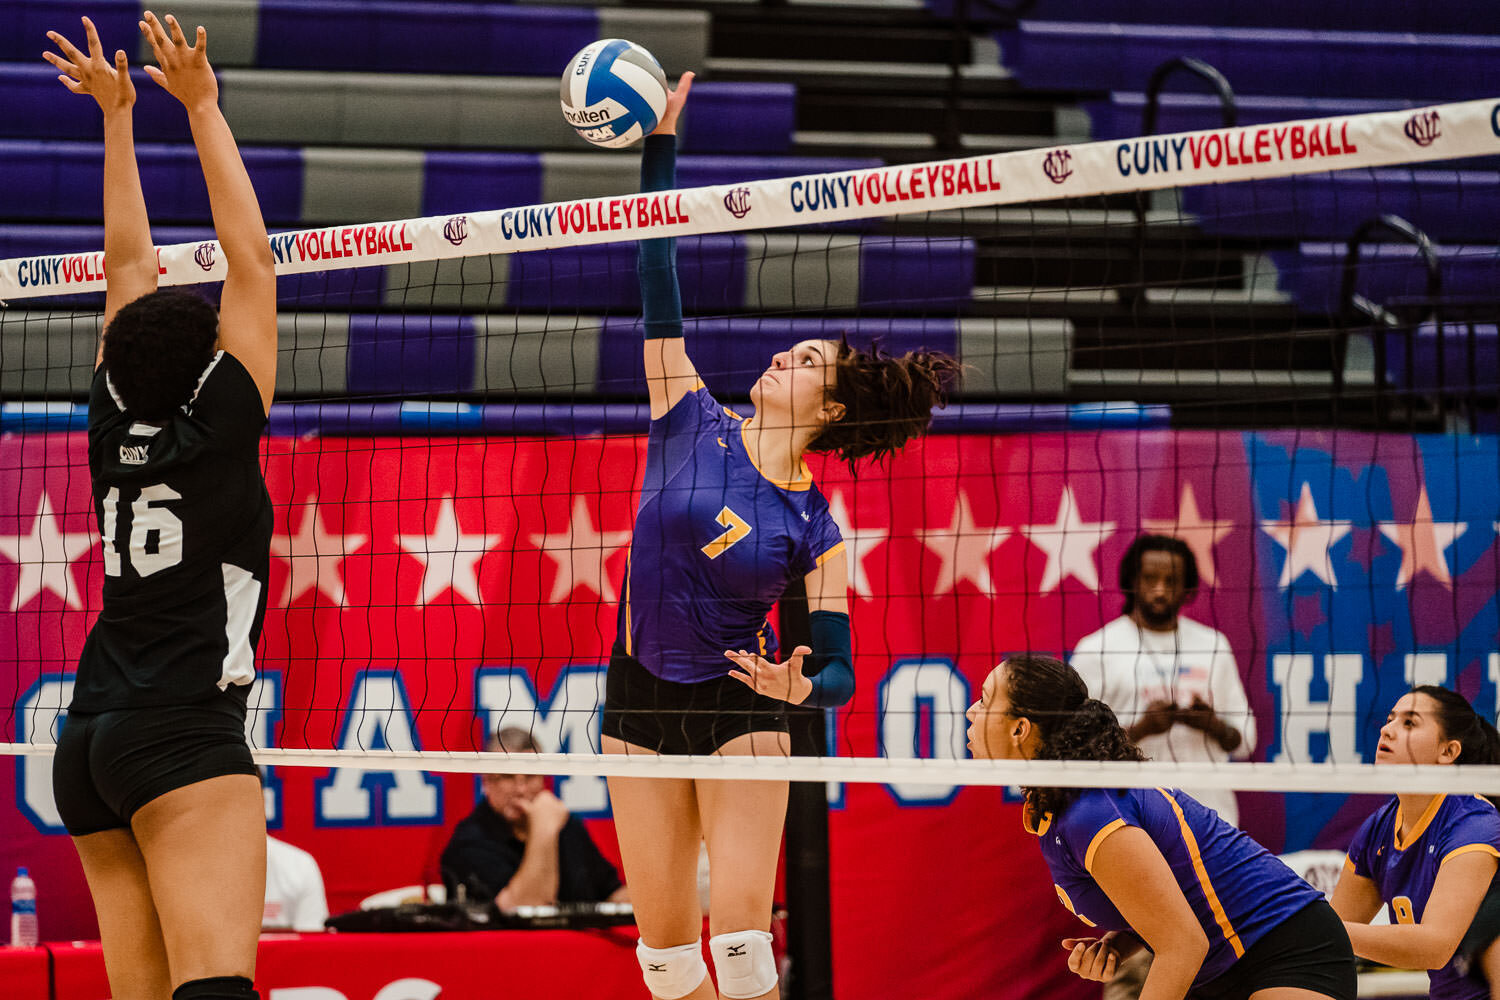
[
  {"x": 671, "y": 972},
  {"x": 744, "y": 963}
]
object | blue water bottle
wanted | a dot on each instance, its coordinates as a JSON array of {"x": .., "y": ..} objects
[{"x": 23, "y": 911}]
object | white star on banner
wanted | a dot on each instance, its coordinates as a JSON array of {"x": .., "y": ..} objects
[
  {"x": 965, "y": 549},
  {"x": 858, "y": 542},
  {"x": 449, "y": 557},
  {"x": 46, "y": 556},
  {"x": 1423, "y": 542},
  {"x": 1307, "y": 541},
  {"x": 1070, "y": 543},
  {"x": 580, "y": 553},
  {"x": 311, "y": 544},
  {"x": 1201, "y": 536}
]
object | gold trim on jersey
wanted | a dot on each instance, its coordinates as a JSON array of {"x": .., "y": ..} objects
[
  {"x": 1469, "y": 849},
  {"x": 1423, "y": 821},
  {"x": 1204, "y": 882},
  {"x": 829, "y": 554},
  {"x": 1104, "y": 831},
  {"x": 804, "y": 475}
]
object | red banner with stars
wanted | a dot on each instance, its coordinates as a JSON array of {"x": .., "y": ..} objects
[{"x": 425, "y": 590}]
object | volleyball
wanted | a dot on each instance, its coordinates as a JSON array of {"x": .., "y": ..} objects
[{"x": 613, "y": 92}]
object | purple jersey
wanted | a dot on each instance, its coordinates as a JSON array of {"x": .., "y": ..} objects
[
  {"x": 715, "y": 544},
  {"x": 1237, "y": 889},
  {"x": 1404, "y": 871}
]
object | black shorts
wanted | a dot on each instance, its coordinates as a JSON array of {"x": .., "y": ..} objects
[
  {"x": 109, "y": 764},
  {"x": 1308, "y": 951},
  {"x": 642, "y": 709},
  {"x": 1483, "y": 931}
]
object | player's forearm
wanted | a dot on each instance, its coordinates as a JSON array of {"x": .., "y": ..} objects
[
  {"x": 535, "y": 882},
  {"x": 1172, "y": 972},
  {"x": 237, "y": 218},
  {"x": 656, "y": 262},
  {"x": 128, "y": 251},
  {"x": 1403, "y": 946}
]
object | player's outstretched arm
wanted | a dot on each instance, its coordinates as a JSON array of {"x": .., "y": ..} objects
[
  {"x": 670, "y": 374},
  {"x": 129, "y": 257},
  {"x": 247, "y": 309}
]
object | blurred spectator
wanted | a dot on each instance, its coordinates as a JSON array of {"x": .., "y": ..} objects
[{"x": 521, "y": 847}]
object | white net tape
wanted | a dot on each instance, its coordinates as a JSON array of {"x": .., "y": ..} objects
[{"x": 1385, "y": 779}]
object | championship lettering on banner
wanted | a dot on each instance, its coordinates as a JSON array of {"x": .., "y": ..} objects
[
  {"x": 1443, "y": 132},
  {"x": 425, "y": 591}
]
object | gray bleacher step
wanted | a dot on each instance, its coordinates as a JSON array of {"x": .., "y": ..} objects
[{"x": 805, "y": 72}]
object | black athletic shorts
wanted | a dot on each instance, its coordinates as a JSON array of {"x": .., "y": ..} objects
[
  {"x": 1483, "y": 932},
  {"x": 642, "y": 709},
  {"x": 1308, "y": 950},
  {"x": 109, "y": 764}
]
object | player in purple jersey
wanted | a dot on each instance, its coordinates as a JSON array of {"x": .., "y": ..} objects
[
  {"x": 1224, "y": 917},
  {"x": 152, "y": 775},
  {"x": 728, "y": 518},
  {"x": 1430, "y": 859}
]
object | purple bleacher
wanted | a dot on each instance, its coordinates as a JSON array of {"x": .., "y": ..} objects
[
  {"x": 902, "y": 274},
  {"x": 710, "y": 269},
  {"x": 28, "y": 21},
  {"x": 64, "y": 181},
  {"x": 1055, "y": 55},
  {"x": 396, "y": 354},
  {"x": 349, "y": 288},
  {"x": 37, "y": 106},
  {"x": 470, "y": 38},
  {"x": 474, "y": 182},
  {"x": 1120, "y": 116},
  {"x": 590, "y": 419},
  {"x": 1313, "y": 274},
  {"x": 705, "y": 171},
  {"x": 1450, "y": 206},
  {"x": 1374, "y": 15},
  {"x": 731, "y": 353},
  {"x": 1448, "y": 357},
  {"x": 740, "y": 118}
]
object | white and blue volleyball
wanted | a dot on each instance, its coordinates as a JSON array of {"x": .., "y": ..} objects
[{"x": 613, "y": 92}]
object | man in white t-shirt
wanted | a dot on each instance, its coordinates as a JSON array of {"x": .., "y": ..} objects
[
  {"x": 1172, "y": 682},
  {"x": 294, "y": 889}
]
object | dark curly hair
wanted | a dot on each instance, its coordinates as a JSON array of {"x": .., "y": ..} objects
[
  {"x": 1130, "y": 564},
  {"x": 1072, "y": 726},
  {"x": 887, "y": 400},
  {"x": 156, "y": 348}
]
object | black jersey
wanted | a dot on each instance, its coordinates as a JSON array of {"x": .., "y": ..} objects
[{"x": 186, "y": 522}]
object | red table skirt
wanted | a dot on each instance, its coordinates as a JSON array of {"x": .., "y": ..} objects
[
  {"x": 482, "y": 965},
  {"x": 23, "y": 974}
]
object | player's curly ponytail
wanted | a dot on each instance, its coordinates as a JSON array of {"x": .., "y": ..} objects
[
  {"x": 887, "y": 400},
  {"x": 1072, "y": 726}
]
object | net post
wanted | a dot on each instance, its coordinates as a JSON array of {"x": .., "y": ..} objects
[{"x": 809, "y": 910}]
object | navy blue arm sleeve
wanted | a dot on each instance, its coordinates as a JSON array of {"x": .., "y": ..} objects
[
  {"x": 656, "y": 260},
  {"x": 832, "y": 662}
]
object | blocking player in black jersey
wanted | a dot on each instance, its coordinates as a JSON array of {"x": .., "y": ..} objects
[{"x": 153, "y": 776}]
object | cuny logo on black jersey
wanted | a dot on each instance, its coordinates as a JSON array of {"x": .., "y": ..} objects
[{"x": 134, "y": 454}]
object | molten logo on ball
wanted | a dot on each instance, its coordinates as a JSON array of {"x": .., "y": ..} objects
[
  {"x": 1423, "y": 128},
  {"x": 738, "y": 202},
  {"x": 456, "y": 229},
  {"x": 1058, "y": 166},
  {"x": 613, "y": 93},
  {"x": 204, "y": 255}
]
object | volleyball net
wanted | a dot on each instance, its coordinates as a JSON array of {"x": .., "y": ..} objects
[{"x": 1276, "y": 342}]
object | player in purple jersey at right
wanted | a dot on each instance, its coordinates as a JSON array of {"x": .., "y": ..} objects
[
  {"x": 1225, "y": 919},
  {"x": 1431, "y": 859},
  {"x": 728, "y": 518}
]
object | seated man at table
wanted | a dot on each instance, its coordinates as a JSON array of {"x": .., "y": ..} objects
[{"x": 521, "y": 847}]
